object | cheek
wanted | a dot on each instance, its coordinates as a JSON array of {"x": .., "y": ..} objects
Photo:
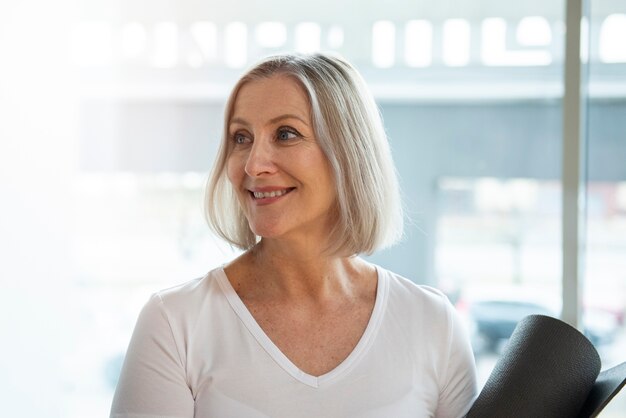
[
  {"x": 313, "y": 160},
  {"x": 234, "y": 171},
  {"x": 320, "y": 164}
]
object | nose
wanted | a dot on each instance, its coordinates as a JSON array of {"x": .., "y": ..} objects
[{"x": 260, "y": 158}]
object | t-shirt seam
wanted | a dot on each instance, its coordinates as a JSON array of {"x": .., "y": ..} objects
[
  {"x": 448, "y": 341},
  {"x": 178, "y": 353}
]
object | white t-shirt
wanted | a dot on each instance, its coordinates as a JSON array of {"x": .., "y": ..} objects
[{"x": 197, "y": 352}]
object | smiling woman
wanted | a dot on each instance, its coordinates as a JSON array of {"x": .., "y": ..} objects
[
  {"x": 281, "y": 176},
  {"x": 299, "y": 326},
  {"x": 334, "y": 110}
]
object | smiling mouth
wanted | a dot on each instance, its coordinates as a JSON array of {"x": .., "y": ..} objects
[{"x": 273, "y": 193}]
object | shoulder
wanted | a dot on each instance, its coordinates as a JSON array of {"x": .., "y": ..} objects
[
  {"x": 176, "y": 314},
  {"x": 423, "y": 310},
  {"x": 189, "y": 289},
  {"x": 426, "y": 311},
  {"x": 190, "y": 297},
  {"x": 411, "y": 295}
]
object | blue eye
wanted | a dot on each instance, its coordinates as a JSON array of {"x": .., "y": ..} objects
[
  {"x": 286, "y": 134},
  {"x": 239, "y": 139}
]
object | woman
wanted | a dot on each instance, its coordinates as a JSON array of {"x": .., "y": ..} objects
[{"x": 299, "y": 325}]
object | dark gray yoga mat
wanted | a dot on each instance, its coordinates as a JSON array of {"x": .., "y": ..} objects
[
  {"x": 607, "y": 385},
  {"x": 547, "y": 369}
]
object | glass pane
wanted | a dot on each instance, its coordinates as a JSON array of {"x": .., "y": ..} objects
[
  {"x": 605, "y": 258},
  {"x": 118, "y": 115},
  {"x": 476, "y": 132}
]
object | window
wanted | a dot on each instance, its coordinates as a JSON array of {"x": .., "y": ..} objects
[
  {"x": 115, "y": 117},
  {"x": 604, "y": 284}
]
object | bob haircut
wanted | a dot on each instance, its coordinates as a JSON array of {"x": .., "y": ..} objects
[{"x": 349, "y": 130}]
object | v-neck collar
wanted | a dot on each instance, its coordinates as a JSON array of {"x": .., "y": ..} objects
[{"x": 282, "y": 360}]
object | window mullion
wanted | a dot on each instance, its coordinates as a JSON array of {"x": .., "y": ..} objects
[{"x": 573, "y": 167}]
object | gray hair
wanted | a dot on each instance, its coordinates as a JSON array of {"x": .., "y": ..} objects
[{"x": 349, "y": 129}]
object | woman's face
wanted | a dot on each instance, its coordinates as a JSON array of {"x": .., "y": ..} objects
[{"x": 281, "y": 176}]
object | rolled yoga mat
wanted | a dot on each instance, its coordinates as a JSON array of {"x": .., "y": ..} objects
[{"x": 547, "y": 370}]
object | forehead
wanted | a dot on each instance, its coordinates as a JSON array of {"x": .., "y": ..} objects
[{"x": 271, "y": 97}]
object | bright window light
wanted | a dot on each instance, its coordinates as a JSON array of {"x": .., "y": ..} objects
[
  {"x": 613, "y": 39},
  {"x": 494, "y": 48},
  {"x": 418, "y": 43},
  {"x": 308, "y": 36},
  {"x": 456, "y": 42},
  {"x": 523, "y": 194},
  {"x": 271, "y": 34},
  {"x": 383, "y": 44},
  {"x": 92, "y": 44},
  {"x": 204, "y": 35},
  {"x": 490, "y": 195},
  {"x": 584, "y": 39},
  {"x": 192, "y": 180},
  {"x": 194, "y": 60},
  {"x": 134, "y": 39},
  {"x": 165, "y": 45},
  {"x": 493, "y": 194},
  {"x": 236, "y": 45},
  {"x": 534, "y": 31},
  {"x": 335, "y": 37}
]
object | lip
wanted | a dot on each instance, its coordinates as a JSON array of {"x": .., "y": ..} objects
[{"x": 268, "y": 189}]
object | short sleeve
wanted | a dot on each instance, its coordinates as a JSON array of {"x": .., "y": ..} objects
[
  {"x": 459, "y": 387},
  {"x": 152, "y": 383}
]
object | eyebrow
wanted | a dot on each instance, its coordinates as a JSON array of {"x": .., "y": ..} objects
[{"x": 273, "y": 120}]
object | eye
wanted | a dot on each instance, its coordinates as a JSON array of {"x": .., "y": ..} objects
[
  {"x": 240, "y": 138},
  {"x": 286, "y": 134}
]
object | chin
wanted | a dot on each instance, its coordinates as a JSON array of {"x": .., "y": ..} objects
[{"x": 266, "y": 231}]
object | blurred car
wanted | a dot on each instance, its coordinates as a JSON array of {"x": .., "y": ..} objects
[
  {"x": 494, "y": 320},
  {"x": 492, "y": 317}
]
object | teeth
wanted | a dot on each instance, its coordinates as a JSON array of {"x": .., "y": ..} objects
[{"x": 262, "y": 195}]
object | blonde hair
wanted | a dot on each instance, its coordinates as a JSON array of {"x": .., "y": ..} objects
[{"x": 349, "y": 129}]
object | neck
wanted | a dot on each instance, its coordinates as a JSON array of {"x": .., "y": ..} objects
[{"x": 291, "y": 271}]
